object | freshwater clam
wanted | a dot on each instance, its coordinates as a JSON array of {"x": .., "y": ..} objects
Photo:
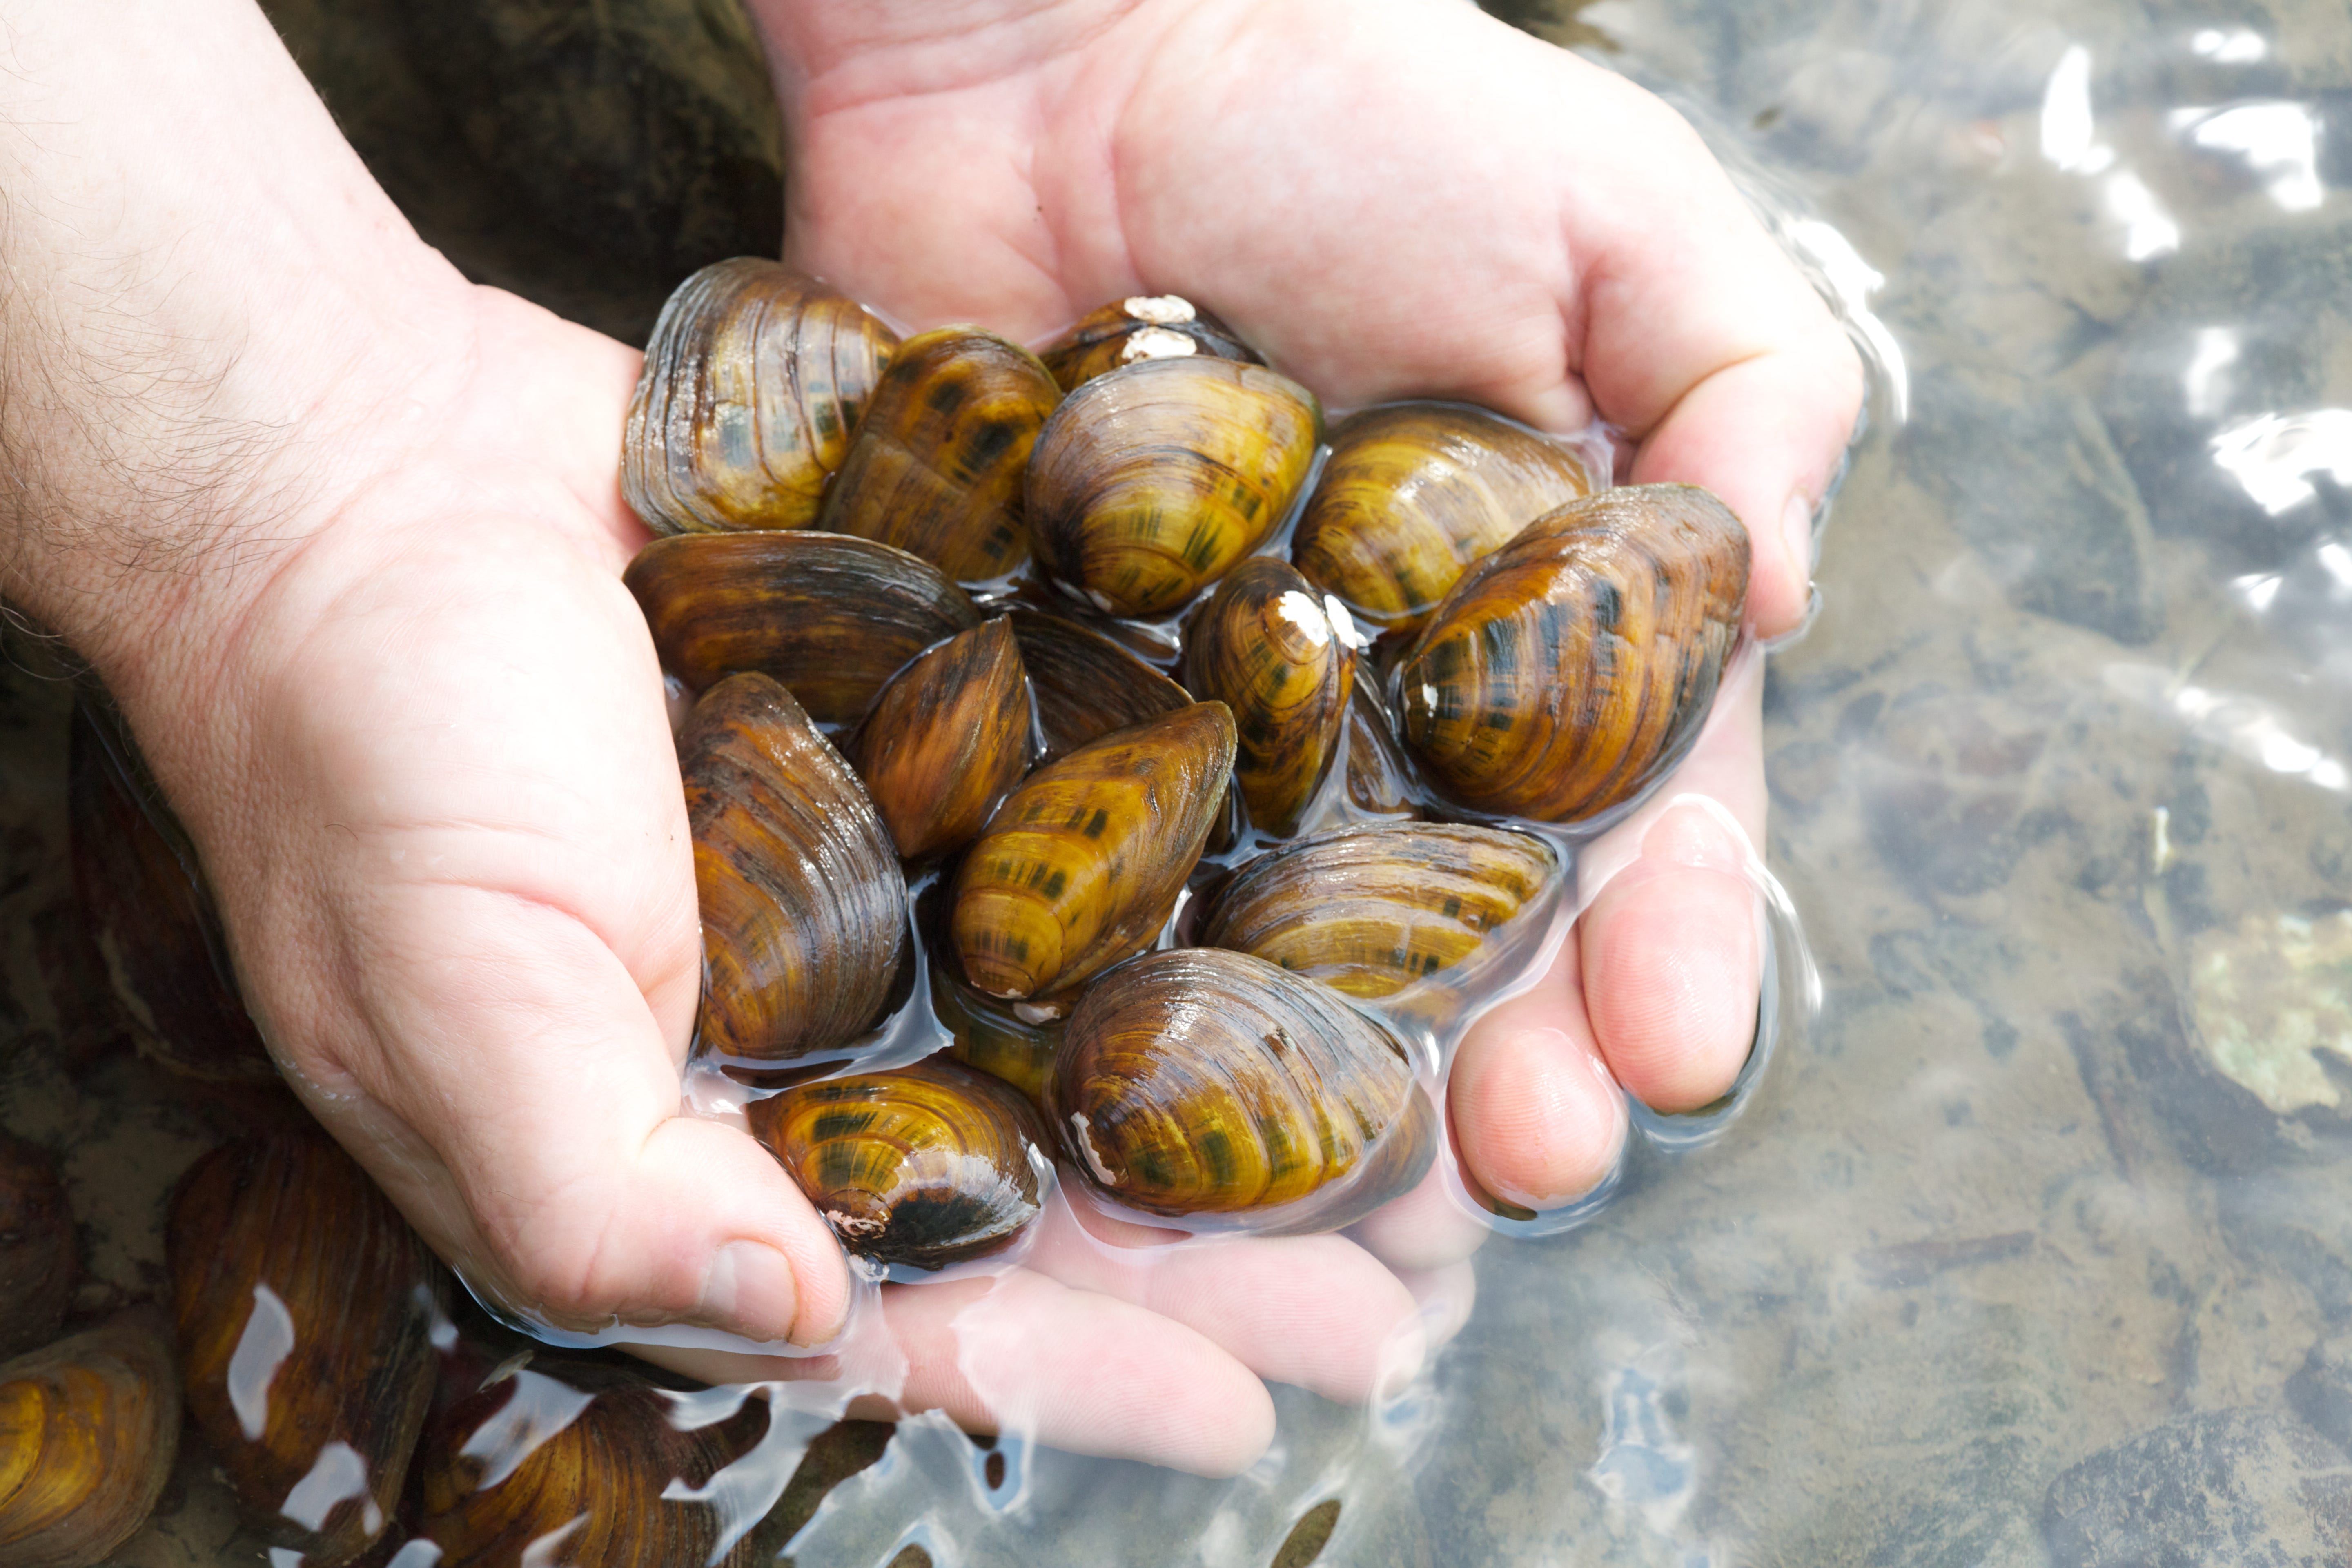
[
  {"x": 150, "y": 912},
  {"x": 38, "y": 1256},
  {"x": 1081, "y": 865},
  {"x": 1571, "y": 669},
  {"x": 946, "y": 739},
  {"x": 1379, "y": 780},
  {"x": 1146, "y": 326},
  {"x": 1087, "y": 684},
  {"x": 305, "y": 1308},
  {"x": 1415, "y": 492},
  {"x": 1263, "y": 645},
  {"x": 922, "y": 1166},
  {"x": 564, "y": 1461},
  {"x": 799, "y": 885},
  {"x": 753, "y": 379},
  {"x": 89, "y": 1429},
  {"x": 936, "y": 465},
  {"x": 1373, "y": 909},
  {"x": 1011, "y": 1041},
  {"x": 1152, "y": 482},
  {"x": 1217, "y": 1089},
  {"x": 830, "y": 616}
]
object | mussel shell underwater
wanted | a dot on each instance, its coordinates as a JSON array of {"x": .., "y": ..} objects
[
  {"x": 1152, "y": 482},
  {"x": 801, "y": 900},
  {"x": 936, "y": 465},
  {"x": 922, "y": 1166},
  {"x": 37, "y": 1255},
  {"x": 1572, "y": 668},
  {"x": 1264, "y": 645},
  {"x": 1087, "y": 684},
  {"x": 581, "y": 1462},
  {"x": 305, "y": 1308},
  {"x": 150, "y": 912},
  {"x": 89, "y": 1430},
  {"x": 1415, "y": 493},
  {"x": 753, "y": 380},
  {"x": 1375, "y": 908},
  {"x": 1081, "y": 865},
  {"x": 1380, "y": 779},
  {"x": 1142, "y": 327},
  {"x": 947, "y": 738},
  {"x": 1219, "y": 1090},
  {"x": 1011, "y": 1041},
  {"x": 832, "y": 618}
]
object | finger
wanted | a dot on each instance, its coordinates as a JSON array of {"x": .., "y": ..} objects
[
  {"x": 1536, "y": 1116},
  {"x": 1447, "y": 1297},
  {"x": 1706, "y": 345},
  {"x": 1671, "y": 945},
  {"x": 1423, "y": 1230},
  {"x": 1072, "y": 1369},
  {"x": 1317, "y": 1311}
]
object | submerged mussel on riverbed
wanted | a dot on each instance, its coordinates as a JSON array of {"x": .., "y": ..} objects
[{"x": 1101, "y": 632}]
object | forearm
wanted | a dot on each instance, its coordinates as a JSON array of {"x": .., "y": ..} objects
[{"x": 203, "y": 293}]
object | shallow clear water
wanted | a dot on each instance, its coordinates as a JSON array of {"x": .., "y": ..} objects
[{"x": 2031, "y": 1249}]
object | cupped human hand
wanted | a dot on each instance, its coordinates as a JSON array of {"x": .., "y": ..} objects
[{"x": 1389, "y": 198}]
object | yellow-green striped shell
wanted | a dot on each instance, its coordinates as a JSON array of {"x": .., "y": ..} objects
[{"x": 1264, "y": 645}]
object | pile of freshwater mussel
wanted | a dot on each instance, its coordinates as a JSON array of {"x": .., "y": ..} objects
[{"x": 1183, "y": 760}]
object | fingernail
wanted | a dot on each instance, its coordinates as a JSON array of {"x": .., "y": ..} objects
[
  {"x": 1401, "y": 1358},
  {"x": 1797, "y": 533},
  {"x": 748, "y": 1289}
]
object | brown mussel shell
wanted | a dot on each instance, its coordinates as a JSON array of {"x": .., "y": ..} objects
[
  {"x": 922, "y": 1166},
  {"x": 1217, "y": 1089},
  {"x": 305, "y": 1308},
  {"x": 753, "y": 380},
  {"x": 1380, "y": 779},
  {"x": 1151, "y": 482},
  {"x": 150, "y": 912},
  {"x": 1569, "y": 670},
  {"x": 936, "y": 466},
  {"x": 89, "y": 1429},
  {"x": 1081, "y": 866},
  {"x": 947, "y": 738},
  {"x": 834, "y": 619},
  {"x": 1415, "y": 492},
  {"x": 37, "y": 1255},
  {"x": 566, "y": 1461},
  {"x": 1011, "y": 1041},
  {"x": 1146, "y": 326},
  {"x": 1085, "y": 684},
  {"x": 801, "y": 898},
  {"x": 1264, "y": 645},
  {"x": 1374, "y": 909}
]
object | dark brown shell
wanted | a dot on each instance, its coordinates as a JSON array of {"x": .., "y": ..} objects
[
  {"x": 922, "y": 1166},
  {"x": 1081, "y": 865},
  {"x": 936, "y": 466},
  {"x": 1145, "y": 326},
  {"x": 1263, "y": 645},
  {"x": 834, "y": 619},
  {"x": 1415, "y": 493},
  {"x": 1085, "y": 684},
  {"x": 89, "y": 1429},
  {"x": 305, "y": 1308},
  {"x": 800, "y": 895},
  {"x": 1217, "y": 1089},
  {"x": 1379, "y": 780},
  {"x": 150, "y": 912},
  {"x": 1571, "y": 669},
  {"x": 753, "y": 380},
  {"x": 38, "y": 1256},
  {"x": 566, "y": 1461},
  {"x": 1152, "y": 482},
  {"x": 947, "y": 738},
  {"x": 1371, "y": 910}
]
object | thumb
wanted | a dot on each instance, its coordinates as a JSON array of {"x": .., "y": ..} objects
[{"x": 518, "y": 1102}]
